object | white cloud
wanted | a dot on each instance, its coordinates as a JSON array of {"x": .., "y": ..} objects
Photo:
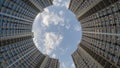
[
  {"x": 63, "y": 51},
  {"x": 61, "y": 13},
  {"x": 57, "y": 2},
  {"x": 72, "y": 66},
  {"x": 77, "y": 28},
  {"x": 45, "y": 41},
  {"x": 54, "y": 55},
  {"x": 48, "y": 41},
  {"x": 51, "y": 41},
  {"x": 63, "y": 65},
  {"x": 61, "y": 3},
  {"x": 38, "y": 31},
  {"x": 51, "y": 18},
  {"x": 67, "y": 26}
]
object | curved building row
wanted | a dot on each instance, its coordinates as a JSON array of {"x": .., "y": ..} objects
[
  {"x": 17, "y": 49},
  {"x": 100, "y": 45}
]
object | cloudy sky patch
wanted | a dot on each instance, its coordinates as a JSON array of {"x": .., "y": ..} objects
[{"x": 57, "y": 32}]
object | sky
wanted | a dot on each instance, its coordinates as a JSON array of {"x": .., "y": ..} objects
[{"x": 57, "y": 32}]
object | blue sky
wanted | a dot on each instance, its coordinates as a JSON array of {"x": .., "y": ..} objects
[{"x": 57, "y": 32}]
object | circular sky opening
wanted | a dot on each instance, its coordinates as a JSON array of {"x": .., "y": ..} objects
[{"x": 57, "y": 32}]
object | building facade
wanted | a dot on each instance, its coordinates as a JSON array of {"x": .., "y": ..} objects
[
  {"x": 50, "y": 63},
  {"x": 41, "y": 4},
  {"x": 82, "y": 59},
  {"x": 17, "y": 49},
  {"x": 100, "y": 21}
]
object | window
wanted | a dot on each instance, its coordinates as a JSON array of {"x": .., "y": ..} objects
[
  {"x": 1, "y": 2},
  {"x": 118, "y": 4},
  {"x": 118, "y": 61},
  {"x": 0, "y": 25}
]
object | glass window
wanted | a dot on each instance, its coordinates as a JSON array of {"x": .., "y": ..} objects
[
  {"x": 1, "y": 1},
  {"x": 6, "y": 3},
  {"x": 118, "y": 62},
  {"x": 0, "y": 31},
  {"x": 118, "y": 4}
]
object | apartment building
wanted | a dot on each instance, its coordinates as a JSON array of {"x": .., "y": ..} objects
[
  {"x": 50, "y": 63},
  {"x": 100, "y": 21},
  {"x": 17, "y": 49}
]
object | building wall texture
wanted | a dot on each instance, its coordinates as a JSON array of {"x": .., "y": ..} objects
[
  {"x": 17, "y": 49},
  {"x": 50, "y": 63},
  {"x": 100, "y": 21}
]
